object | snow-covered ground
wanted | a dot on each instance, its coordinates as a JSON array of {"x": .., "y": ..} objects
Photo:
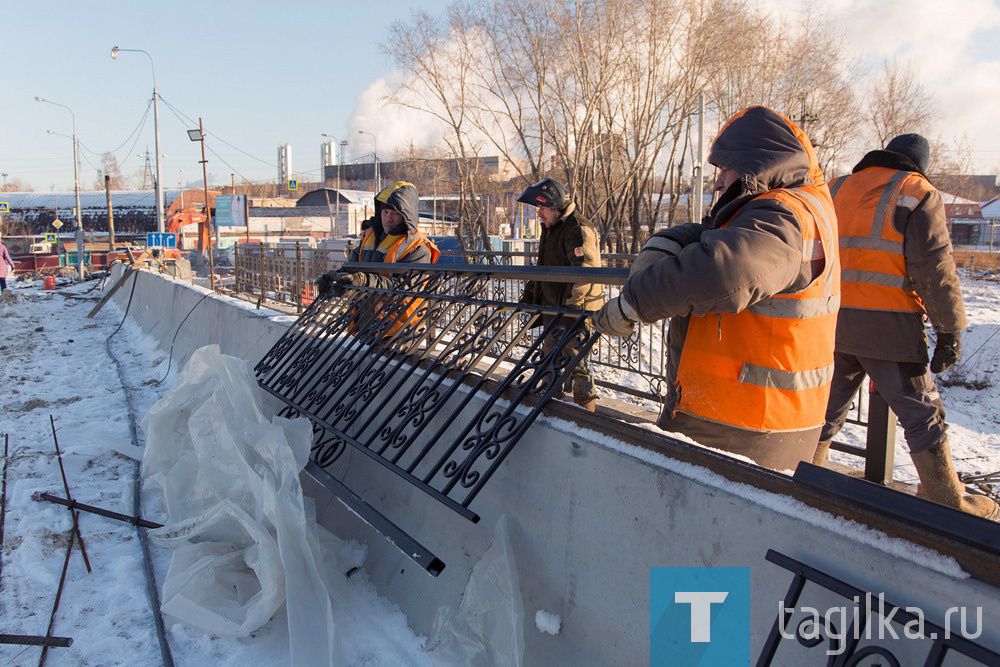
[{"x": 53, "y": 362}]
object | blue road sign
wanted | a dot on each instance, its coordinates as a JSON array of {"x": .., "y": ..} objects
[
  {"x": 293, "y": 184},
  {"x": 4, "y": 207},
  {"x": 50, "y": 238},
  {"x": 159, "y": 240}
]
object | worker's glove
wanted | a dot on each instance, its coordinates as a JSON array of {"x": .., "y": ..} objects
[
  {"x": 612, "y": 320},
  {"x": 653, "y": 250},
  {"x": 946, "y": 352},
  {"x": 333, "y": 282},
  {"x": 528, "y": 296}
]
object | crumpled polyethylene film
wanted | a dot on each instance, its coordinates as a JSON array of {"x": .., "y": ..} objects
[{"x": 245, "y": 541}]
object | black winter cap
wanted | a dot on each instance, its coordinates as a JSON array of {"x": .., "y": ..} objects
[{"x": 912, "y": 146}]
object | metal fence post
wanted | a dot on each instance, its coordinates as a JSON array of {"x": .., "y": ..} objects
[
  {"x": 298, "y": 277},
  {"x": 236, "y": 267},
  {"x": 263, "y": 282},
  {"x": 880, "y": 440}
]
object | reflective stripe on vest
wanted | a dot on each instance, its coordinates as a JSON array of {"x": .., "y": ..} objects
[
  {"x": 769, "y": 367},
  {"x": 871, "y": 249}
]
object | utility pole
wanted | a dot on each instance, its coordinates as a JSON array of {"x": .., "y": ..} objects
[
  {"x": 205, "y": 236},
  {"x": 111, "y": 214},
  {"x": 699, "y": 184}
]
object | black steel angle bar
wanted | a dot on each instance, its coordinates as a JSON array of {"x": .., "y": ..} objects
[
  {"x": 409, "y": 546},
  {"x": 36, "y": 640},
  {"x": 961, "y": 526}
]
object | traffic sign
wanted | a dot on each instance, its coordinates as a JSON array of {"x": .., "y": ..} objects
[
  {"x": 57, "y": 223},
  {"x": 4, "y": 207},
  {"x": 293, "y": 184},
  {"x": 50, "y": 237},
  {"x": 161, "y": 240}
]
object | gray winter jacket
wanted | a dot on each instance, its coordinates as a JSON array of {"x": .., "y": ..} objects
[
  {"x": 898, "y": 336},
  {"x": 716, "y": 269}
]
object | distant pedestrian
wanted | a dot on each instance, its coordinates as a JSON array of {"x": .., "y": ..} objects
[{"x": 5, "y": 260}]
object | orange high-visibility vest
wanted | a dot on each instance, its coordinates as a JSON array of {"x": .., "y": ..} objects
[
  {"x": 769, "y": 367},
  {"x": 871, "y": 250},
  {"x": 394, "y": 252}
]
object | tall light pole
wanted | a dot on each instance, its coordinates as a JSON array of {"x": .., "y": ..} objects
[
  {"x": 76, "y": 186},
  {"x": 156, "y": 134},
  {"x": 378, "y": 181},
  {"x": 205, "y": 240}
]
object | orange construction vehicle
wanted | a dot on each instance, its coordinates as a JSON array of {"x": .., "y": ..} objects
[{"x": 188, "y": 216}]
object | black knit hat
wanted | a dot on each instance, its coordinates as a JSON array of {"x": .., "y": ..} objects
[{"x": 912, "y": 146}]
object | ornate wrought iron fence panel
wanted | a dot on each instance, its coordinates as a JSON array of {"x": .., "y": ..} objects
[
  {"x": 842, "y": 646},
  {"x": 394, "y": 374}
]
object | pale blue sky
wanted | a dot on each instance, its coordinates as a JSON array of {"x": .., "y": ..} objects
[
  {"x": 265, "y": 73},
  {"x": 259, "y": 73}
]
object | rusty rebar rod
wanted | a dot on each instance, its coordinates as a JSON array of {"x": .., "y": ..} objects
[
  {"x": 118, "y": 516},
  {"x": 3, "y": 498},
  {"x": 74, "y": 515},
  {"x": 36, "y": 640},
  {"x": 55, "y": 605}
]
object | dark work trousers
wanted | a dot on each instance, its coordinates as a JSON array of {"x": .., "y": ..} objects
[
  {"x": 581, "y": 379},
  {"x": 907, "y": 387}
]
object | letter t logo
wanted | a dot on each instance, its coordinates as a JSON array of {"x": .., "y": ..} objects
[{"x": 701, "y": 611}]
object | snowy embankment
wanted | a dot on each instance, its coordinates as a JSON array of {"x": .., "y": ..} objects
[{"x": 53, "y": 362}]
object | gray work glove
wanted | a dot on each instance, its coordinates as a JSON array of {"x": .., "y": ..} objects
[
  {"x": 333, "y": 282},
  {"x": 653, "y": 250},
  {"x": 946, "y": 352},
  {"x": 611, "y": 319}
]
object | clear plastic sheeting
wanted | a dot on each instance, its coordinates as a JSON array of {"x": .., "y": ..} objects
[
  {"x": 487, "y": 630},
  {"x": 226, "y": 479}
]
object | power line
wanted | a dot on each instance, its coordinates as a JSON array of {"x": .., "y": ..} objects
[{"x": 184, "y": 117}]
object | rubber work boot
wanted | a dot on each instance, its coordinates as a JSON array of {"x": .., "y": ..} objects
[
  {"x": 939, "y": 482},
  {"x": 822, "y": 453},
  {"x": 589, "y": 403}
]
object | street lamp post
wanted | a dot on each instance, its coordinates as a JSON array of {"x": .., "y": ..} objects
[
  {"x": 156, "y": 134},
  {"x": 204, "y": 239},
  {"x": 76, "y": 186},
  {"x": 378, "y": 181}
]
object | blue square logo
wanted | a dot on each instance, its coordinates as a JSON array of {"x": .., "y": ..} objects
[{"x": 699, "y": 616}]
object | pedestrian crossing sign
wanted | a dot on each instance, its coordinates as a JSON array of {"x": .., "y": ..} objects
[
  {"x": 4, "y": 207},
  {"x": 50, "y": 238},
  {"x": 293, "y": 184}
]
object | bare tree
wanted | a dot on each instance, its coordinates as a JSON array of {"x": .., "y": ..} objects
[
  {"x": 898, "y": 103},
  {"x": 109, "y": 166},
  {"x": 600, "y": 93}
]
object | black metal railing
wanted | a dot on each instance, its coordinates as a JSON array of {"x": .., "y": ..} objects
[
  {"x": 632, "y": 369},
  {"x": 394, "y": 373}
]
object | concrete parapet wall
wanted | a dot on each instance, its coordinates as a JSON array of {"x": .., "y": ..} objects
[{"x": 589, "y": 514}]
